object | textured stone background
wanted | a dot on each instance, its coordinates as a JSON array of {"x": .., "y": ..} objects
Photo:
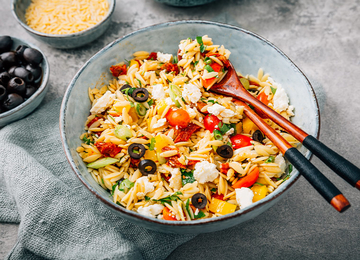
[{"x": 322, "y": 38}]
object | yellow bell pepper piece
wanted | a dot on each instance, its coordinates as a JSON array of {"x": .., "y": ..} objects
[
  {"x": 133, "y": 114},
  {"x": 133, "y": 62},
  {"x": 150, "y": 155},
  {"x": 161, "y": 141},
  {"x": 160, "y": 106},
  {"x": 248, "y": 126},
  {"x": 119, "y": 105},
  {"x": 262, "y": 180},
  {"x": 221, "y": 207},
  {"x": 259, "y": 192}
]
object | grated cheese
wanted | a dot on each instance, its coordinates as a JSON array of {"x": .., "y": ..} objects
[{"x": 65, "y": 16}]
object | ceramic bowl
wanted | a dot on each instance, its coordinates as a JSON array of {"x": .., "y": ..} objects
[
  {"x": 65, "y": 41},
  {"x": 249, "y": 52},
  {"x": 34, "y": 101},
  {"x": 185, "y": 3}
]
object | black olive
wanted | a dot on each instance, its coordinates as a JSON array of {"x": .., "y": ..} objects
[
  {"x": 147, "y": 167},
  {"x": 35, "y": 70},
  {"x": 5, "y": 43},
  {"x": 140, "y": 94},
  {"x": 258, "y": 136},
  {"x": 1, "y": 65},
  {"x": 20, "y": 50},
  {"x": 9, "y": 59},
  {"x": 136, "y": 151},
  {"x": 3, "y": 92},
  {"x": 16, "y": 85},
  {"x": 225, "y": 151},
  {"x": 4, "y": 78},
  {"x": 32, "y": 56},
  {"x": 13, "y": 100},
  {"x": 11, "y": 70},
  {"x": 23, "y": 73},
  {"x": 30, "y": 90},
  {"x": 199, "y": 200},
  {"x": 123, "y": 88}
]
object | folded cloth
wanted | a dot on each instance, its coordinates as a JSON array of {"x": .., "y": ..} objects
[{"x": 59, "y": 218}]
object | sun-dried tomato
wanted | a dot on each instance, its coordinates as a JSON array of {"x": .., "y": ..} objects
[
  {"x": 224, "y": 167},
  {"x": 169, "y": 67},
  {"x": 166, "y": 177},
  {"x": 117, "y": 70},
  {"x": 93, "y": 121},
  {"x": 134, "y": 162},
  {"x": 222, "y": 58},
  {"x": 218, "y": 196},
  {"x": 108, "y": 149},
  {"x": 152, "y": 56},
  {"x": 184, "y": 134},
  {"x": 173, "y": 161}
]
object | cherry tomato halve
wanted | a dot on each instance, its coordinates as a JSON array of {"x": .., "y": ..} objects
[
  {"x": 216, "y": 67},
  {"x": 239, "y": 141},
  {"x": 263, "y": 98},
  {"x": 168, "y": 215},
  {"x": 178, "y": 117},
  {"x": 117, "y": 70},
  {"x": 211, "y": 122}
]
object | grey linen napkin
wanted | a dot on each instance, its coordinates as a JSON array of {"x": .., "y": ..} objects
[{"x": 59, "y": 218}]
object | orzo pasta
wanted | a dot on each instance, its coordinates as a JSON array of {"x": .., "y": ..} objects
[{"x": 167, "y": 148}]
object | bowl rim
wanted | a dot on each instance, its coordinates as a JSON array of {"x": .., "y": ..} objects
[
  {"x": 156, "y": 221},
  {"x": 70, "y": 35},
  {"x": 42, "y": 87}
]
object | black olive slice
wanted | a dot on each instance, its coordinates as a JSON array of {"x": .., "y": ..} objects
[
  {"x": 140, "y": 94},
  {"x": 258, "y": 136},
  {"x": 199, "y": 200},
  {"x": 225, "y": 151},
  {"x": 123, "y": 88},
  {"x": 147, "y": 167},
  {"x": 13, "y": 100},
  {"x": 136, "y": 151}
]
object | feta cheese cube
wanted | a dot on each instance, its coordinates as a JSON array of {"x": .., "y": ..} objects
[
  {"x": 244, "y": 197},
  {"x": 158, "y": 91},
  {"x": 146, "y": 184},
  {"x": 151, "y": 211},
  {"x": 164, "y": 57},
  {"x": 161, "y": 122},
  {"x": 103, "y": 103},
  {"x": 191, "y": 93},
  {"x": 279, "y": 159},
  {"x": 227, "y": 113},
  {"x": 216, "y": 109},
  {"x": 175, "y": 180},
  {"x": 205, "y": 172}
]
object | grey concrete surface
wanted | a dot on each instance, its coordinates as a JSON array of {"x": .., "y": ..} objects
[{"x": 322, "y": 38}]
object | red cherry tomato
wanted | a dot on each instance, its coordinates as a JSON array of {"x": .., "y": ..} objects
[
  {"x": 248, "y": 180},
  {"x": 178, "y": 117},
  {"x": 211, "y": 122},
  {"x": 263, "y": 98},
  {"x": 168, "y": 215},
  {"x": 239, "y": 141},
  {"x": 218, "y": 196}
]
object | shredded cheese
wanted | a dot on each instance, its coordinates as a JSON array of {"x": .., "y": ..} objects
[{"x": 65, "y": 16}]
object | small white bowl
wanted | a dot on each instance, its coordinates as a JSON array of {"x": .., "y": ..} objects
[
  {"x": 34, "y": 101},
  {"x": 63, "y": 41}
]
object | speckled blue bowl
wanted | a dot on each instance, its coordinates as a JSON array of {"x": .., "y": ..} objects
[
  {"x": 65, "y": 41},
  {"x": 34, "y": 101},
  {"x": 249, "y": 53},
  {"x": 185, "y": 3}
]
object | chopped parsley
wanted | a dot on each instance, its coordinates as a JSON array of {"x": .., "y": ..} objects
[
  {"x": 207, "y": 60},
  {"x": 175, "y": 60},
  {"x": 87, "y": 141},
  {"x": 187, "y": 176},
  {"x": 225, "y": 127},
  {"x": 196, "y": 62},
  {"x": 202, "y": 46},
  {"x": 168, "y": 199},
  {"x": 213, "y": 189},
  {"x": 258, "y": 183},
  {"x": 270, "y": 159},
  {"x": 150, "y": 102},
  {"x": 273, "y": 90},
  {"x": 113, "y": 189},
  {"x": 147, "y": 198},
  {"x": 152, "y": 144},
  {"x": 112, "y": 118},
  {"x": 199, "y": 215},
  {"x": 139, "y": 82},
  {"x": 290, "y": 168}
]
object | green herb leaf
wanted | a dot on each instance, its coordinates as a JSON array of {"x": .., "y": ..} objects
[
  {"x": 202, "y": 48},
  {"x": 187, "y": 176},
  {"x": 203, "y": 99},
  {"x": 168, "y": 199},
  {"x": 152, "y": 144},
  {"x": 207, "y": 60},
  {"x": 270, "y": 159},
  {"x": 212, "y": 101},
  {"x": 112, "y": 118},
  {"x": 273, "y": 90},
  {"x": 258, "y": 183},
  {"x": 217, "y": 135},
  {"x": 87, "y": 141},
  {"x": 113, "y": 189},
  {"x": 150, "y": 102},
  {"x": 175, "y": 60},
  {"x": 290, "y": 168},
  {"x": 147, "y": 198},
  {"x": 199, "y": 40},
  {"x": 199, "y": 215},
  {"x": 213, "y": 189},
  {"x": 229, "y": 144},
  {"x": 208, "y": 68},
  {"x": 224, "y": 127}
]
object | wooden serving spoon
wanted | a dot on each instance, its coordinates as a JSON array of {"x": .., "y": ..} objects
[
  {"x": 305, "y": 167},
  {"x": 230, "y": 85}
]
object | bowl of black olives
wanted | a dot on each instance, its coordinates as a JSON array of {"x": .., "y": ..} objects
[{"x": 24, "y": 73}]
